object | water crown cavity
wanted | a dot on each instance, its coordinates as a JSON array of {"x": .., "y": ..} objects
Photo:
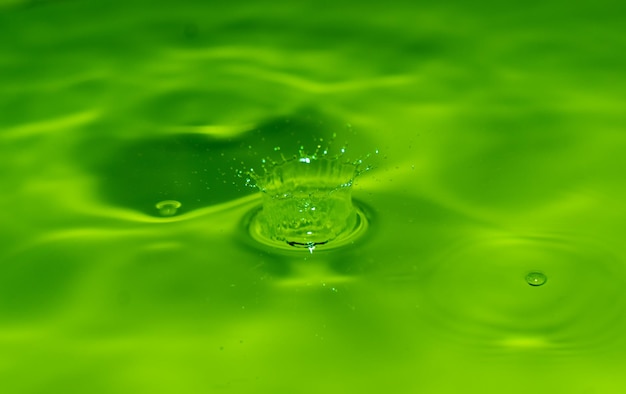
[{"x": 307, "y": 203}]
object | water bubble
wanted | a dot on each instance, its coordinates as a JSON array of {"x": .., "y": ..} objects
[
  {"x": 168, "y": 207},
  {"x": 536, "y": 278}
]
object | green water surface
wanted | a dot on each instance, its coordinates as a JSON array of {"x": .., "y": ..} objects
[{"x": 501, "y": 132}]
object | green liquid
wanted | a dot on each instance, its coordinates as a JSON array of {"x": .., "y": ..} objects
[{"x": 501, "y": 132}]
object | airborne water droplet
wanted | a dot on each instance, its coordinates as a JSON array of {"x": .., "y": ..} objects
[{"x": 536, "y": 278}]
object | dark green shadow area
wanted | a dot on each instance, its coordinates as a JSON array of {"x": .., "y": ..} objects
[{"x": 199, "y": 170}]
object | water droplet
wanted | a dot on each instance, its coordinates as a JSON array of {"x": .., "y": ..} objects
[
  {"x": 168, "y": 207},
  {"x": 536, "y": 278}
]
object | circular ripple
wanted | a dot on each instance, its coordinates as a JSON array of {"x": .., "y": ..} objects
[
  {"x": 255, "y": 232},
  {"x": 536, "y": 279},
  {"x": 479, "y": 294}
]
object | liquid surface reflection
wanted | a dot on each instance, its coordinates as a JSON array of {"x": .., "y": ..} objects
[{"x": 126, "y": 263}]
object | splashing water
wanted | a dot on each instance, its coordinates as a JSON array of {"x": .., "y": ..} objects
[{"x": 307, "y": 199}]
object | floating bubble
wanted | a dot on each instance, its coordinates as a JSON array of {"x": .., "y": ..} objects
[
  {"x": 168, "y": 207},
  {"x": 536, "y": 278}
]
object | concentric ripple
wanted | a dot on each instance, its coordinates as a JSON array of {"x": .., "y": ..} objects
[
  {"x": 255, "y": 228},
  {"x": 480, "y": 294}
]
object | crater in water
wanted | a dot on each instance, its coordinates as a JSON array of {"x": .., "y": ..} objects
[
  {"x": 479, "y": 294},
  {"x": 307, "y": 203}
]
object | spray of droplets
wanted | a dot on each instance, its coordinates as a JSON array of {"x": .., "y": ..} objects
[{"x": 321, "y": 150}]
